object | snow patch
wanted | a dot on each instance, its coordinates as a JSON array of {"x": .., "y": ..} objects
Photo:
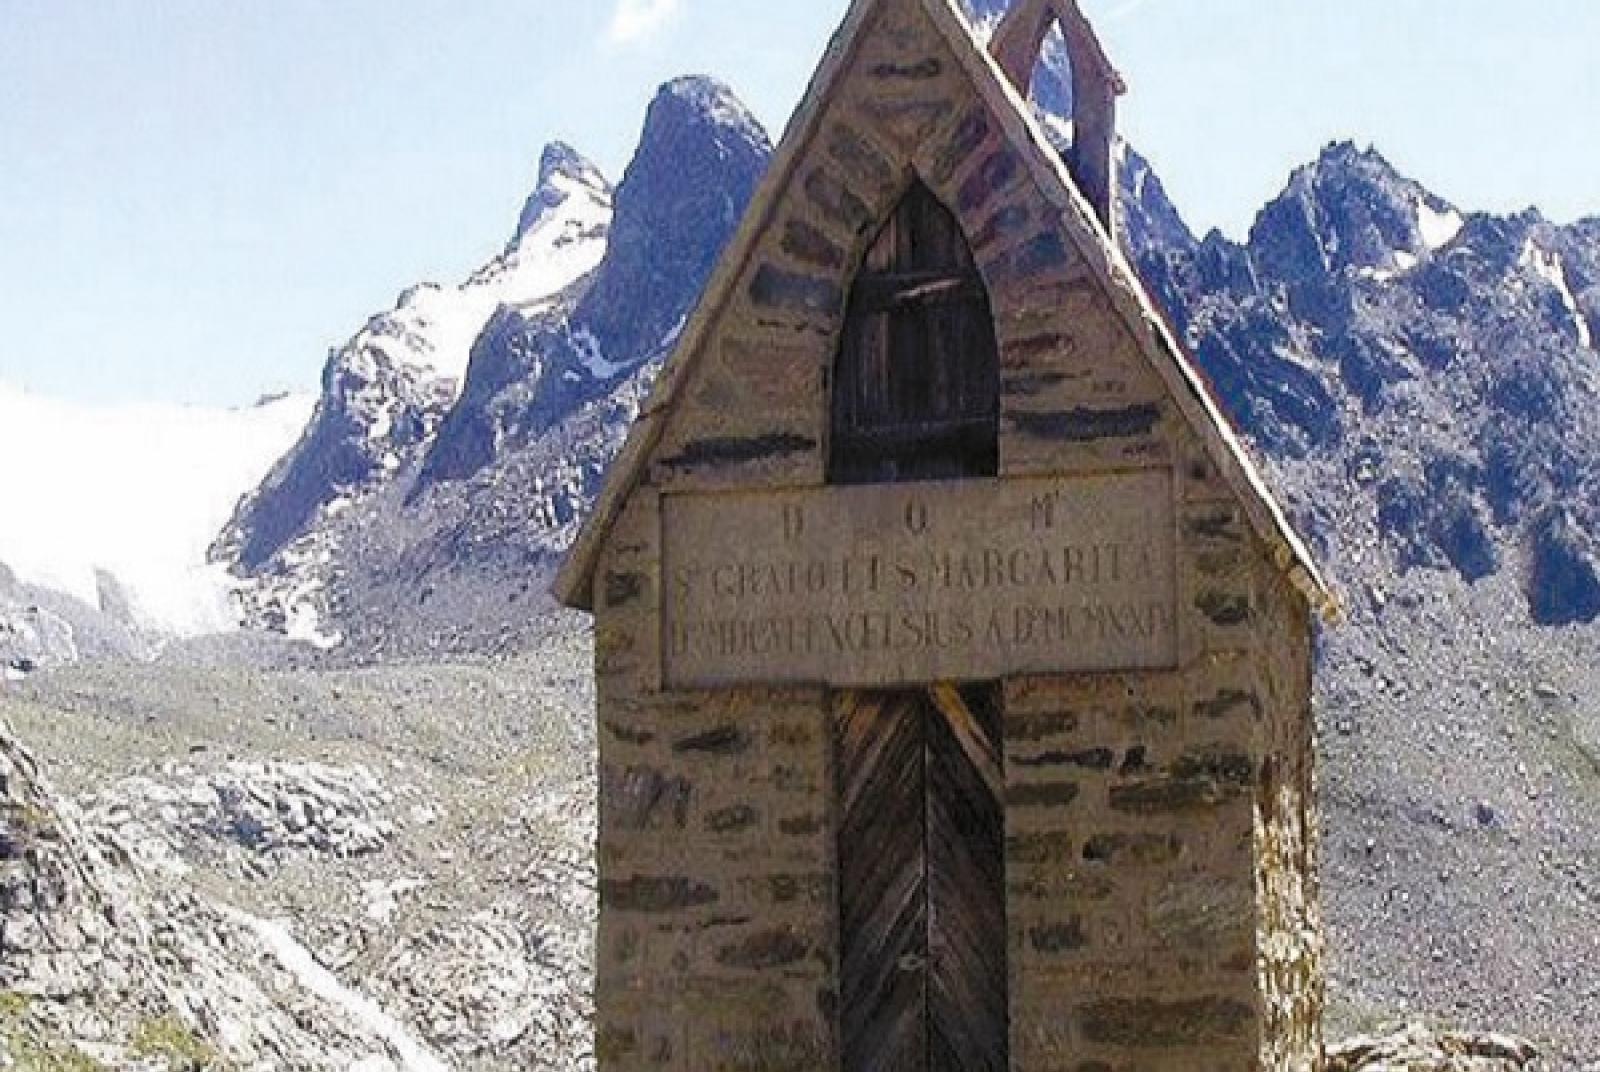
[
  {"x": 593, "y": 358},
  {"x": 432, "y": 329},
  {"x": 1437, "y": 226},
  {"x": 1547, "y": 265},
  {"x": 298, "y": 961},
  {"x": 139, "y": 491}
]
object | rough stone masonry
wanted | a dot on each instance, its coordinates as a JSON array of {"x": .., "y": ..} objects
[{"x": 1122, "y": 584}]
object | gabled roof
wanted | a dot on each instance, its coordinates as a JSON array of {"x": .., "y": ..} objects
[{"x": 1128, "y": 295}]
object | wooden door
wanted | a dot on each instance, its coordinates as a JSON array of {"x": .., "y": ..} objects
[
  {"x": 922, "y": 881},
  {"x": 921, "y": 819}
]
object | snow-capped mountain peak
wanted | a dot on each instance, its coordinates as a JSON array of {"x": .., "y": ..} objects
[
  {"x": 563, "y": 175},
  {"x": 386, "y": 391}
]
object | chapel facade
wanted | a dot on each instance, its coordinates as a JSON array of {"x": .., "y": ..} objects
[{"x": 953, "y": 662}]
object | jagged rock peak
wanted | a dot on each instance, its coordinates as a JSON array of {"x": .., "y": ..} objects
[
  {"x": 705, "y": 96},
  {"x": 1349, "y": 210},
  {"x": 699, "y": 159},
  {"x": 562, "y": 171}
]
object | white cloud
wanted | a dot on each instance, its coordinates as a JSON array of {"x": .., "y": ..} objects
[{"x": 634, "y": 20}]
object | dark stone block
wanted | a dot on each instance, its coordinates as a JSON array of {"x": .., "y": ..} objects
[
  {"x": 858, "y": 158},
  {"x": 1045, "y": 795},
  {"x": 1031, "y": 384},
  {"x": 1142, "y": 715},
  {"x": 1058, "y": 937},
  {"x": 643, "y": 798},
  {"x": 722, "y": 741},
  {"x": 836, "y": 200},
  {"x": 1039, "y": 848},
  {"x": 805, "y": 243},
  {"x": 789, "y": 889},
  {"x": 732, "y": 820},
  {"x": 1224, "y": 609},
  {"x": 1007, "y": 222},
  {"x": 1041, "y": 254},
  {"x": 1029, "y": 728},
  {"x": 1090, "y": 759},
  {"x": 628, "y": 734},
  {"x": 1165, "y": 1024},
  {"x": 774, "y": 288},
  {"x": 1135, "y": 761},
  {"x": 1230, "y": 767},
  {"x": 802, "y": 825},
  {"x": 1139, "y": 848},
  {"x": 988, "y": 179},
  {"x": 1221, "y": 524},
  {"x": 623, "y": 588},
  {"x": 921, "y": 71},
  {"x": 775, "y": 948},
  {"x": 1089, "y": 425},
  {"x": 656, "y": 894},
  {"x": 969, "y": 134},
  {"x": 1022, "y": 351},
  {"x": 734, "y": 451}
]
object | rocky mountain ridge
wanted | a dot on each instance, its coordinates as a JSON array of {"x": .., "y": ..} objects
[
  {"x": 491, "y": 483},
  {"x": 387, "y": 391}
]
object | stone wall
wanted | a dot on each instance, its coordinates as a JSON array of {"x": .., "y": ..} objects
[
  {"x": 1141, "y": 935},
  {"x": 1287, "y": 839}
]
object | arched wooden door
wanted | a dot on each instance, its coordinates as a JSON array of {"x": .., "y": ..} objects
[{"x": 921, "y": 830}]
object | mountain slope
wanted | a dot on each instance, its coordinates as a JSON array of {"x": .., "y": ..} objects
[
  {"x": 385, "y": 392},
  {"x": 445, "y": 548}
]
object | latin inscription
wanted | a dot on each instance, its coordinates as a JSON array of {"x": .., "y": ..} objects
[{"x": 901, "y": 584}]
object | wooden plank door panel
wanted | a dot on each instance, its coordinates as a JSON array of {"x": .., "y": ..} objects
[
  {"x": 921, "y": 881},
  {"x": 883, "y": 900},
  {"x": 916, "y": 389},
  {"x": 968, "y": 1022}
]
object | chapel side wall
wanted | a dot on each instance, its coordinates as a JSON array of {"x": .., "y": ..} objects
[
  {"x": 1287, "y": 840},
  {"x": 715, "y": 947},
  {"x": 1132, "y": 826}
]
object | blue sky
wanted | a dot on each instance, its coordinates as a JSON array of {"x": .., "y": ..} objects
[{"x": 199, "y": 197}]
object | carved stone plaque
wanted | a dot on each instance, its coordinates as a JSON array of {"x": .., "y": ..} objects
[{"x": 908, "y": 584}]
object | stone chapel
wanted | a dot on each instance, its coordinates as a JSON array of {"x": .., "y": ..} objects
[{"x": 953, "y": 662}]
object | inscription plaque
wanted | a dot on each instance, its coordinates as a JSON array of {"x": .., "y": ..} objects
[{"x": 887, "y": 585}]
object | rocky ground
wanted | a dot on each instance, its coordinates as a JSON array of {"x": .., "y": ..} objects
[
  {"x": 395, "y": 864},
  {"x": 1417, "y": 1048},
  {"x": 370, "y": 870},
  {"x": 1460, "y": 759}
]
